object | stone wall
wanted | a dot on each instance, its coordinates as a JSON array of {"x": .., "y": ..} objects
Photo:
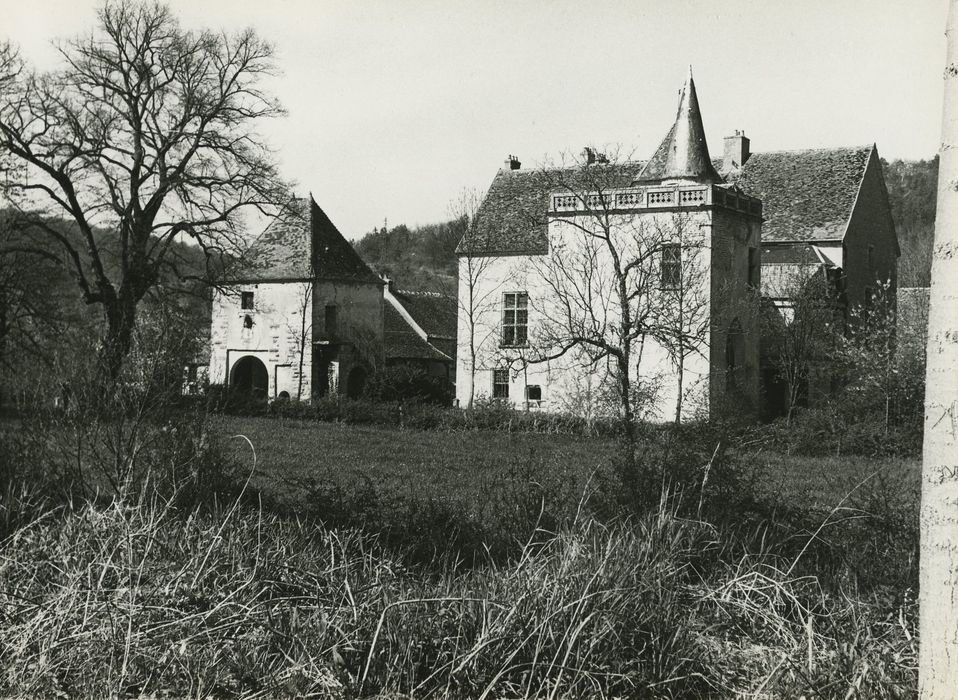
[{"x": 270, "y": 331}]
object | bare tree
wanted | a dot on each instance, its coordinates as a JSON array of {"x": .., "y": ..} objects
[
  {"x": 938, "y": 579},
  {"x": 304, "y": 331},
  {"x": 146, "y": 135},
  {"x": 802, "y": 328},
  {"x": 682, "y": 315},
  {"x": 475, "y": 297},
  {"x": 609, "y": 286}
]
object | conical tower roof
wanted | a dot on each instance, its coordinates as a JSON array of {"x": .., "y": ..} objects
[{"x": 683, "y": 153}]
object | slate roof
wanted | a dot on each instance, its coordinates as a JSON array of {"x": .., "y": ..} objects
[
  {"x": 281, "y": 251},
  {"x": 434, "y": 312},
  {"x": 303, "y": 243},
  {"x": 806, "y": 195},
  {"x": 683, "y": 152},
  {"x": 402, "y": 342},
  {"x": 512, "y": 216}
]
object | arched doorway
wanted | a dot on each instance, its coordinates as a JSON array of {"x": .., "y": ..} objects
[
  {"x": 356, "y": 382},
  {"x": 250, "y": 376}
]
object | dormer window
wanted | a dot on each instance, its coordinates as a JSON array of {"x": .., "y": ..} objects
[{"x": 246, "y": 301}]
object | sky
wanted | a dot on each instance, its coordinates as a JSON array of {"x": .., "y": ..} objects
[{"x": 397, "y": 106}]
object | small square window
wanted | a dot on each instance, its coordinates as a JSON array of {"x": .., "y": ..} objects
[
  {"x": 246, "y": 301},
  {"x": 500, "y": 384},
  {"x": 534, "y": 393}
]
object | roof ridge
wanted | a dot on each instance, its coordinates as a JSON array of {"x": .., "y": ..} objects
[
  {"x": 422, "y": 292},
  {"x": 832, "y": 149}
]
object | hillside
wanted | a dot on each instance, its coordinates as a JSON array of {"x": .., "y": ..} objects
[
  {"x": 912, "y": 191},
  {"x": 422, "y": 258}
]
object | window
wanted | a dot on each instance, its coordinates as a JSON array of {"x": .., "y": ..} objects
[
  {"x": 247, "y": 321},
  {"x": 500, "y": 383},
  {"x": 671, "y": 266},
  {"x": 534, "y": 394},
  {"x": 753, "y": 268},
  {"x": 515, "y": 319},
  {"x": 246, "y": 301}
]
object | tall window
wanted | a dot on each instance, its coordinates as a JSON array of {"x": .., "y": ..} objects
[
  {"x": 871, "y": 260},
  {"x": 671, "y": 266},
  {"x": 246, "y": 300},
  {"x": 500, "y": 383},
  {"x": 515, "y": 319}
]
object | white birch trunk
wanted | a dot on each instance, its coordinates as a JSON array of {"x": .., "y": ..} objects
[{"x": 938, "y": 594}]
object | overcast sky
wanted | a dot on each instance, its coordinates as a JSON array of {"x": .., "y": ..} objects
[{"x": 396, "y": 106}]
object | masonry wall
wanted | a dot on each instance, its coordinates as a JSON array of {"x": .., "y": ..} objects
[
  {"x": 734, "y": 300},
  {"x": 274, "y": 338},
  {"x": 571, "y": 383},
  {"x": 870, "y": 225},
  {"x": 357, "y": 339}
]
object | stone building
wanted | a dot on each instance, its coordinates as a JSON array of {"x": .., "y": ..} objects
[
  {"x": 827, "y": 221},
  {"x": 682, "y": 226},
  {"x": 303, "y": 315},
  {"x": 768, "y": 219},
  {"x": 826, "y": 208}
]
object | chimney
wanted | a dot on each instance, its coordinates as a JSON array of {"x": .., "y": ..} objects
[
  {"x": 512, "y": 163},
  {"x": 588, "y": 155},
  {"x": 736, "y": 151}
]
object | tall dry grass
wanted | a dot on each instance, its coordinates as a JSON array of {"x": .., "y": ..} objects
[{"x": 147, "y": 599}]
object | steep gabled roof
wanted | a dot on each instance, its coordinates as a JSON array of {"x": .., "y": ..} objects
[
  {"x": 806, "y": 195},
  {"x": 302, "y": 243},
  {"x": 512, "y": 217},
  {"x": 282, "y": 250},
  {"x": 333, "y": 256},
  {"x": 683, "y": 153}
]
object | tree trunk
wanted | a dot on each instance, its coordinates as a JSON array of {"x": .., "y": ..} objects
[
  {"x": 678, "y": 398},
  {"x": 630, "y": 472},
  {"x": 121, "y": 319},
  {"x": 938, "y": 583}
]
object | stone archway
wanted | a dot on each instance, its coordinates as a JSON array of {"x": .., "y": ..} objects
[
  {"x": 356, "y": 382},
  {"x": 250, "y": 376}
]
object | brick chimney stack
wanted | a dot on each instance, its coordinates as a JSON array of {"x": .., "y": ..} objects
[
  {"x": 512, "y": 163},
  {"x": 736, "y": 151}
]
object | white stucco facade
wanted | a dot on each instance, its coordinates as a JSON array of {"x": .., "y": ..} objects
[
  {"x": 271, "y": 331},
  {"x": 715, "y": 244}
]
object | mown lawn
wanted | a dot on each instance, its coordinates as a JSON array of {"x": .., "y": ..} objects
[{"x": 466, "y": 466}]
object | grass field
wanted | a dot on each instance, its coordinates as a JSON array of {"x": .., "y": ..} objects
[
  {"x": 381, "y": 562},
  {"x": 467, "y": 465}
]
